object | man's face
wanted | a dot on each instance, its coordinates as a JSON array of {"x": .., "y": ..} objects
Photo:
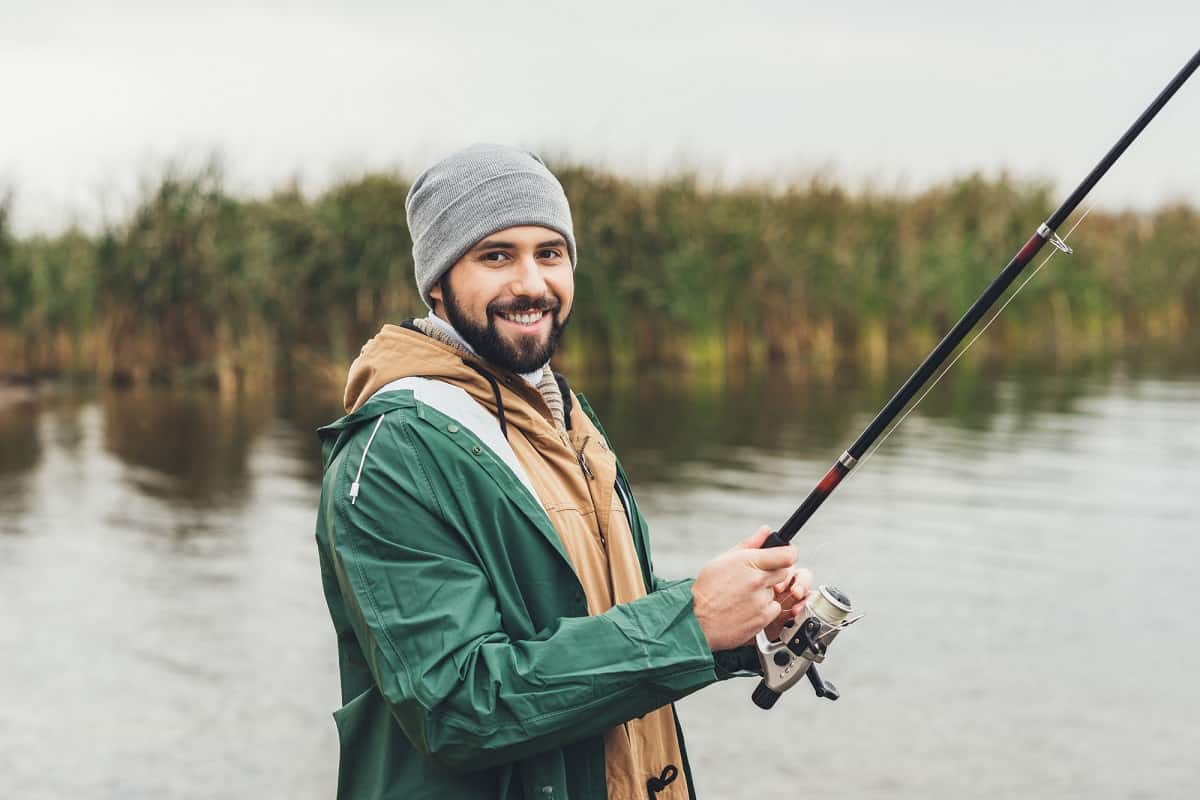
[{"x": 510, "y": 296}]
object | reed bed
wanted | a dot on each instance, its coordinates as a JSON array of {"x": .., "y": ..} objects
[{"x": 198, "y": 284}]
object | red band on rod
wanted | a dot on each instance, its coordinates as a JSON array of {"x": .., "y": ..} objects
[
  {"x": 831, "y": 479},
  {"x": 1030, "y": 248}
]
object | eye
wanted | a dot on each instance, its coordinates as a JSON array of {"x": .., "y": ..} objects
[
  {"x": 494, "y": 256},
  {"x": 549, "y": 254}
]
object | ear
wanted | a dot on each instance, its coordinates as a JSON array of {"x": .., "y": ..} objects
[{"x": 435, "y": 294}]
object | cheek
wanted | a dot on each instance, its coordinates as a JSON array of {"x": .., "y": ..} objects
[
  {"x": 475, "y": 291},
  {"x": 564, "y": 289}
]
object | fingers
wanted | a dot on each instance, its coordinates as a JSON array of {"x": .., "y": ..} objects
[
  {"x": 773, "y": 558},
  {"x": 771, "y": 578},
  {"x": 785, "y": 587},
  {"x": 772, "y": 565},
  {"x": 804, "y": 579},
  {"x": 771, "y": 613},
  {"x": 799, "y": 586},
  {"x": 793, "y": 593},
  {"x": 756, "y": 539},
  {"x": 770, "y": 558}
]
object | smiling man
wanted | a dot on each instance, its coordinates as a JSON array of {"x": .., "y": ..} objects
[{"x": 501, "y": 632}]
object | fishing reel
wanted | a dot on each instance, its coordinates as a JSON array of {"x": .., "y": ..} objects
[{"x": 802, "y": 646}]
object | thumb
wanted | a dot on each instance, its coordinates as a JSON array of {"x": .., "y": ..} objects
[{"x": 756, "y": 539}]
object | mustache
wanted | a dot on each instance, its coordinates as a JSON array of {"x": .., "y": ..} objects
[{"x": 522, "y": 305}]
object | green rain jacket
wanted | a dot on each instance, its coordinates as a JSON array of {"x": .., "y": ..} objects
[{"x": 469, "y": 665}]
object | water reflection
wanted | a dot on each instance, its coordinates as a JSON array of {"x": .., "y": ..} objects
[
  {"x": 19, "y": 445},
  {"x": 669, "y": 420},
  {"x": 193, "y": 448},
  {"x": 20, "y": 453},
  {"x": 184, "y": 447},
  {"x": 165, "y": 629},
  {"x": 307, "y": 408}
]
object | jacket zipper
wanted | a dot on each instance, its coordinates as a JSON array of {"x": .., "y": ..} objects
[
  {"x": 587, "y": 471},
  {"x": 583, "y": 463},
  {"x": 362, "y": 461}
]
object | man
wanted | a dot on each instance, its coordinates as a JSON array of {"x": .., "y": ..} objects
[{"x": 501, "y": 633}]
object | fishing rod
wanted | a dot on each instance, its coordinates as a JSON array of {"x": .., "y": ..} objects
[{"x": 805, "y": 641}]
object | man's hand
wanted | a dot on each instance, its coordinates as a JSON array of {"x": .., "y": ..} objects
[
  {"x": 791, "y": 597},
  {"x": 740, "y": 592}
]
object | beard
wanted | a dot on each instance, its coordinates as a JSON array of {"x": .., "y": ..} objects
[{"x": 523, "y": 355}]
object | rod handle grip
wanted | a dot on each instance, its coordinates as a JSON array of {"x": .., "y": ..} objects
[{"x": 774, "y": 540}]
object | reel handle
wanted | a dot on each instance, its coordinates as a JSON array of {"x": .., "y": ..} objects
[
  {"x": 822, "y": 687},
  {"x": 764, "y": 696}
]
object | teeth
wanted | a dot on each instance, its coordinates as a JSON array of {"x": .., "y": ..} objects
[{"x": 526, "y": 318}]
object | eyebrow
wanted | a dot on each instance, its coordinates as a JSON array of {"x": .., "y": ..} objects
[
  {"x": 492, "y": 244},
  {"x": 496, "y": 244}
]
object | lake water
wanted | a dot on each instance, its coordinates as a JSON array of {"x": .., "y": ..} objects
[{"x": 1024, "y": 549}]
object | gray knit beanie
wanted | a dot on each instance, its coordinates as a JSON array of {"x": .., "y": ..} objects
[{"x": 474, "y": 193}]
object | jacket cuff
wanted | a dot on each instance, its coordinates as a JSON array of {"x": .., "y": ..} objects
[{"x": 741, "y": 662}]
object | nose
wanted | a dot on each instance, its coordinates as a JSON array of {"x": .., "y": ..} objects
[{"x": 528, "y": 280}]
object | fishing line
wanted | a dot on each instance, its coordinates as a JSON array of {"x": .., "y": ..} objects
[
  {"x": 1053, "y": 252},
  {"x": 803, "y": 643}
]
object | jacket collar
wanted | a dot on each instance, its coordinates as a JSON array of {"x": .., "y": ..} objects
[{"x": 400, "y": 351}]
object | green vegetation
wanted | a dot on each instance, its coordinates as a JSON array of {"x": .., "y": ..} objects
[{"x": 201, "y": 285}]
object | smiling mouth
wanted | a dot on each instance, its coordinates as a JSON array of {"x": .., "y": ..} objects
[{"x": 522, "y": 317}]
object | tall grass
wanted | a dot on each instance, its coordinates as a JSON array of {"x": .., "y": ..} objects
[{"x": 199, "y": 284}]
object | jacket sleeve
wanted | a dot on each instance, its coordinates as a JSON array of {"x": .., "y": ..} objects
[
  {"x": 739, "y": 662},
  {"x": 463, "y": 691}
]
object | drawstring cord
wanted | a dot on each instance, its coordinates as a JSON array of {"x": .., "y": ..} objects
[
  {"x": 495, "y": 393},
  {"x": 579, "y": 455},
  {"x": 654, "y": 785},
  {"x": 362, "y": 461}
]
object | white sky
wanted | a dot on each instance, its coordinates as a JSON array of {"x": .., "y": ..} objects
[{"x": 94, "y": 99}]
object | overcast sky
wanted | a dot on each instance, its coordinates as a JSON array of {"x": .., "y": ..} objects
[{"x": 98, "y": 96}]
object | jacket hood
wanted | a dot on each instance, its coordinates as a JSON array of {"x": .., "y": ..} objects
[{"x": 401, "y": 352}]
